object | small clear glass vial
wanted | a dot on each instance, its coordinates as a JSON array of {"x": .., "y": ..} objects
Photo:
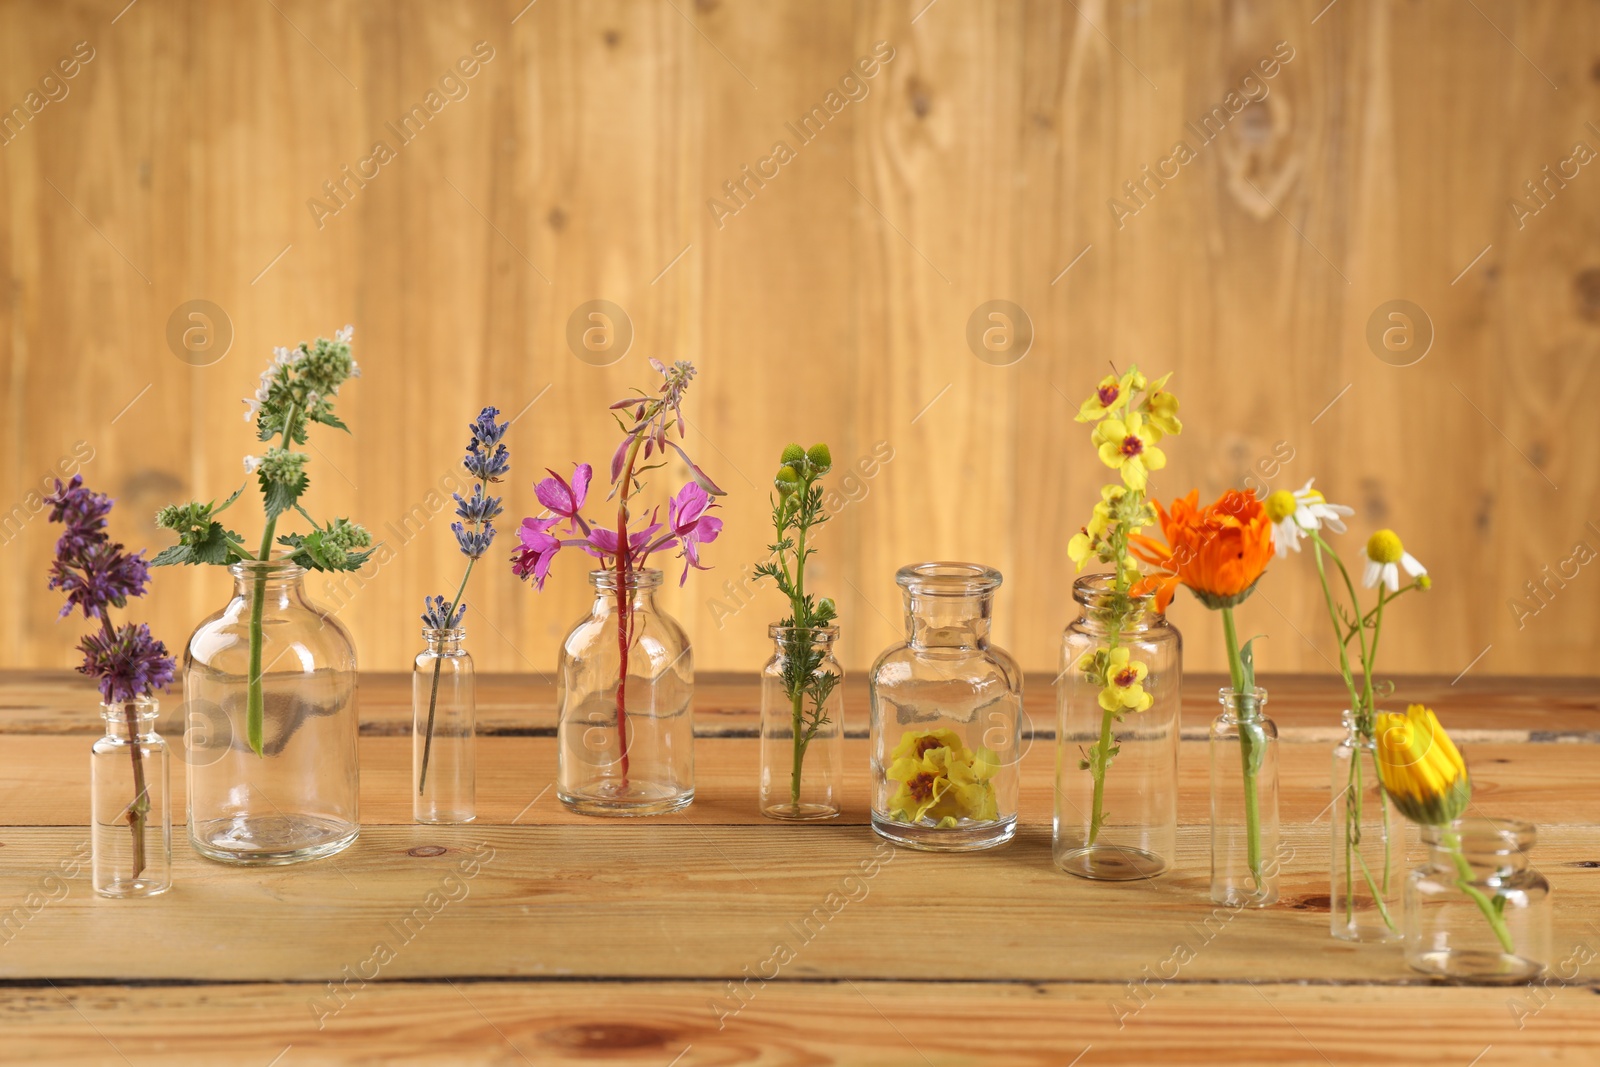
[
  {"x": 130, "y": 803},
  {"x": 443, "y": 731}
]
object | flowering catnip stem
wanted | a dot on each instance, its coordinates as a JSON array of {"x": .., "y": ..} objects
[{"x": 255, "y": 704}]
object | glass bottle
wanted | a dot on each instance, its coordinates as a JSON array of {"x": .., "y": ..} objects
[
  {"x": 946, "y": 717},
  {"x": 1368, "y": 838},
  {"x": 626, "y": 655},
  {"x": 298, "y": 798},
  {"x": 443, "y": 725},
  {"x": 131, "y": 804},
  {"x": 1475, "y": 910},
  {"x": 1244, "y": 873},
  {"x": 802, "y": 697},
  {"x": 1116, "y": 803}
]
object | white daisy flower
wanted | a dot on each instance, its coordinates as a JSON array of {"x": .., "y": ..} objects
[
  {"x": 1385, "y": 556},
  {"x": 1295, "y": 514}
]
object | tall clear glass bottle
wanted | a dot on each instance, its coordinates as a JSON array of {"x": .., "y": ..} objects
[
  {"x": 130, "y": 803},
  {"x": 444, "y": 768},
  {"x": 1476, "y": 911},
  {"x": 299, "y": 797},
  {"x": 1116, "y": 803},
  {"x": 1244, "y": 789},
  {"x": 625, "y": 737},
  {"x": 802, "y": 725},
  {"x": 946, "y": 717},
  {"x": 1368, "y": 838}
]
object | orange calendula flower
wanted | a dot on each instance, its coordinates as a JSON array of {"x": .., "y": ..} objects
[{"x": 1219, "y": 551}]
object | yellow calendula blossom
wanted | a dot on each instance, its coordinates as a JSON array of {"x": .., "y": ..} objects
[
  {"x": 1421, "y": 769},
  {"x": 941, "y": 780},
  {"x": 1128, "y": 446}
]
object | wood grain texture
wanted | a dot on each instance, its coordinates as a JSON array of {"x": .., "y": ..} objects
[
  {"x": 833, "y": 303},
  {"x": 540, "y": 937}
]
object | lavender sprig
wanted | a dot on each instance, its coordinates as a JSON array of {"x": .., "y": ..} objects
[
  {"x": 127, "y": 661},
  {"x": 488, "y": 461}
]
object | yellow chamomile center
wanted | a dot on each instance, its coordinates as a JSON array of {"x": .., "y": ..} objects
[
  {"x": 1280, "y": 505},
  {"x": 1385, "y": 547}
]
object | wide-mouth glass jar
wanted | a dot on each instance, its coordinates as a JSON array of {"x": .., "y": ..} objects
[
  {"x": 946, "y": 716},
  {"x": 1476, "y": 911}
]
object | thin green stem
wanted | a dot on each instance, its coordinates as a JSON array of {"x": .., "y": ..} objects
[
  {"x": 1248, "y": 757},
  {"x": 255, "y": 703},
  {"x": 1464, "y": 880}
]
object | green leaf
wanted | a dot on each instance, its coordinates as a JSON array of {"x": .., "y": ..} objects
[
  {"x": 226, "y": 504},
  {"x": 173, "y": 554},
  {"x": 328, "y": 418},
  {"x": 312, "y": 552},
  {"x": 1247, "y": 662},
  {"x": 281, "y": 496},
  {"x": 217, "y": 545}
]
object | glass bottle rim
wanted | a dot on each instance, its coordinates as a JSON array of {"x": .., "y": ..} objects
[
  {"x": 268, "y": 569},
  {"x": 146, "y": 708},
  {"x": 605, "y": 579},
  {"x": 1485, "y": 835},
  {"x": 820, "y": 635},
  {"x": 948, "y": 578},
  {"x": 1228, "y": 698},
  {"x": 1090, "y": 589},
  {"x": 454, "y": 633}
]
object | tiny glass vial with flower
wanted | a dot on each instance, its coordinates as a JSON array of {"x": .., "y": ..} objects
[
  {"x": 444, "y": 722},
  {"x": 1244, "y": 866},
  {"x": 648, "y": 768},
  {"x": 802, "y": 725},
  {"x": 1476, "y": 911},
  {"x": 1116, "y": 809},
  {"x": 132, "y": 842},
  {"x": 946, "y": 717},
  {"x": 1367, "y": 844}
]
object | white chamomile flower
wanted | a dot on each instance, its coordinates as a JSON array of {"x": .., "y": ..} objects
[
  {"x": 251, "y": 464},
  {"x": 1295, "y": 514},
  {"x": 1385, "y": 556}
]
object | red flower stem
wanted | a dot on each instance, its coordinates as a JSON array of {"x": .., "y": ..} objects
[{"x": 624, "y": 608}]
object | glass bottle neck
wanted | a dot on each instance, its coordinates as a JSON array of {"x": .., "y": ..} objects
[
  {"x": 790, "y": 639},
  {"x": 276, "y": 582},
  {"x": 1243, "y": 707},
  {"x": 1490, "y": 846},
  {"x": 959, "y": 623},
  {"x": 444, "y": 642},
  {"x": 143, "y": 714}
]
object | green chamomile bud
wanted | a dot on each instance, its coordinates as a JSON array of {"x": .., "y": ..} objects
[
  {"x": 826, "y": 605},
  {"x": 792, "y": 456},
  {"x": 787, "y": 480},
  {"x": 820, "y": 457}
]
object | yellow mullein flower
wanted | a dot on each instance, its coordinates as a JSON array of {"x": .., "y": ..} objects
[
  {"x": 1421, "y": 769},
  {"x": 941, "y": 779},
  {"x": 1111, "y": 394},
  {"x": 1128, "y": 445},
  {"x": 1162, "y": 409},
  {"x": 1124, "y": 683}
]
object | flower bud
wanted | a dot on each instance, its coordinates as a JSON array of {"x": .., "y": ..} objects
[
  {"x": 826, "y": 605},
  {"x": 787, "y": 480},
  {"x": 1424, "y": 583},
  {"x": 793, "y": 454},
  {"x": 821, "y": 458}
]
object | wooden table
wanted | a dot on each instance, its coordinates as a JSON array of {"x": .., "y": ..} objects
[{"x": 534, "y": 936}]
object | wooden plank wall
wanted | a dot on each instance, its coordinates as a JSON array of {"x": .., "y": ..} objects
[{"x": 979, "y": 163}]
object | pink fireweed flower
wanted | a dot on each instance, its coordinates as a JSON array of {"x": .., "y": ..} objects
[
  {"x": 691, "y": 525},
  {"x": 603, "y": 542},
  {"x": 538, "y": 549},
  {"x": 566, "y": 500}
]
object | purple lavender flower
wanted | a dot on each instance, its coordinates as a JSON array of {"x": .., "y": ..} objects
[
  {"x": 438, "y": 616},
  {"x": 487, "y": 459},
  {"x": 473, "y": 543}
]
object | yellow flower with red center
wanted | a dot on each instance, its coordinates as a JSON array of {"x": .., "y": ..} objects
[
  {"x": 941, "y": 780},
  {"x": 1128, "y": 445}
]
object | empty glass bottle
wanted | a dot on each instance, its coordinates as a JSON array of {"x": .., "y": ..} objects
[
  {"x": 1244, "y": 866},
  {"x": 946, "y": 717},
  {"x": 802, "y": 725},
  {"x": 625, "y": 737},
  {"x": 130, "y": 802},
  {"x": 1475, "y": 910},
  {"x": 443, "y": 728}
]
